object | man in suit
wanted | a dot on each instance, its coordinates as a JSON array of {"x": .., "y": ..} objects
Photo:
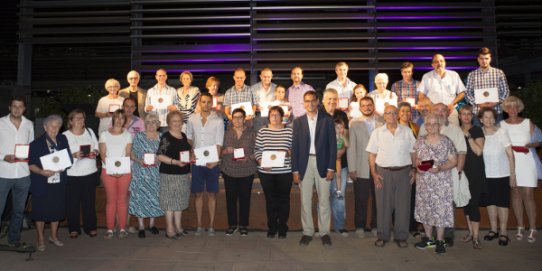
[{"x": 314, "y": 151}]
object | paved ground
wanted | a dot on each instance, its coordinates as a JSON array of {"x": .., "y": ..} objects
[{"x": 256, "y": 252}]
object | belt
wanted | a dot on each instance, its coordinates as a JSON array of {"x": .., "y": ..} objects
[
  {"x": 396, "y": 168},
  {"x": 310, "y": 154}
]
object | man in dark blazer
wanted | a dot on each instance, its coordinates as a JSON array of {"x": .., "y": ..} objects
[{"x": 314, "y": 151}]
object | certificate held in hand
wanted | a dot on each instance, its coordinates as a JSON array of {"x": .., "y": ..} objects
[
  {"x": 117, "y": 165},
  {"x": 486, "y": 95},
  {"x": 21, "y": 152},
  {"x": 149, "y": 159},
  {"x": 206, "y": 155},
  {"x": 273, "y": 159},
  {"x": 56, "y": 161},
  {"x": 247, "y": 106}
]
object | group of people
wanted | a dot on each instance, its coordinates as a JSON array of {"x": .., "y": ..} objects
[{"x": 404, "y": 149}]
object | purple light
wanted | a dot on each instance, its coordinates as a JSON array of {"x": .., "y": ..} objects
[
  {"x": 424, "y": 37},
  {"x": 423, "y": 27},
  {"x": 416, "y": 7},
  {"x": 429, "y": 48},
  {"x": 199, "y": 60},
  {"x": 420, "y": 17},
  {"x": 430, "y": 58},
  {"x": 214, "y": 48}
]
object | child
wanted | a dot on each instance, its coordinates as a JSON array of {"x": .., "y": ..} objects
[
  {"x": 342, "y": 144},
  {"x": 282, "y": 101},
  {"x": 359, "y": 92}
]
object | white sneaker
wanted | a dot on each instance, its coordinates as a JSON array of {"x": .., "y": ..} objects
[
  {"x": 132, "y": 230},
  {"x": 198, "y": 232},
  {"x": 360, "y": 232},
  {"x": 211, "y": 232}
]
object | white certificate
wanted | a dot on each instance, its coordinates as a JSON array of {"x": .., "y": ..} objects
[
  {"x": 206, "y": 155},
  {"x": 273, "y": 159},
  {"x": 149, "y": 159},
  {"x": 161, "y": 101},
  {"x": 21, "y": 152},
  {"x": 486, "y": 95},
  {"x": 215, "y": 102},
  {"x": 117, "y": 165},
  {"x": 114, "y": 107},
  {"x": 56, "y": 161},
  {"x": 184, "y": 156},
  {"x": 343, "y": 103},
  {"x": 264, "y": 111},
  {"x": 411, "y": 101},
  {"x": 247, "y": 106},
  {"x": 239, "y": 153}
]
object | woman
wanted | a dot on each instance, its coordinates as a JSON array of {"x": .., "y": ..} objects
[
  {"x": 405, "y": 118},
  {"x": 48, "y": 188},
  {"x": 382, "y": 96},
  {"x": 108, "y": 104},
  {"x": 434, "y": 195},
  {"x": 521, "y": 131},
  {"x": 82, "y": 176},
  {"x": 174, "y": 175},
  {"x": 359, "y": 92},
  {"x": 145, "y": 185},
  {"x": 282, "y": 101},
  {"x": 116, "y": 142},
  {"x": 238, "y": 174},
  {"x": 474, "y": 171},
  {"x": 276, "y": 182},
  {"x": 500, "y": 174},
  {"x": 187, "y": 95}
]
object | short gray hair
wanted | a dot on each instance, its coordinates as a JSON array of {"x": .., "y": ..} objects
[
  {"x": 382, "y": 76},
  {"x": 50, "y": 118}
]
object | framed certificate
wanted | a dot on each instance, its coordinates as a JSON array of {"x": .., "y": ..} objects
[
  {"x": 343, "y": 103},
  {"x": 238, "y": 153},
  {"x": 273, "y": 159},
  {"x": 184, "y": 156},
  {"x": 247, "y": 106},
  {"x": 149, "y": 159},
  {"x": 486, "y": 95},
  {"x": 56, "y": 161},
  {"x": 21, "y": 152},
  {"x": 84, "y": 150},
  {"x": 113, "y": 107},
  {"x": 117, "y": 165},
  {"x": 206, "y": 155}
]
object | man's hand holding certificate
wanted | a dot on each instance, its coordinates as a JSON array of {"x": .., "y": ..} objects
[
  {"x": 247, "y": 106},
  {"x": 21, "y": 152},
  {"x": 206, "y": 155},
  {"x": 486, "y": 95}
]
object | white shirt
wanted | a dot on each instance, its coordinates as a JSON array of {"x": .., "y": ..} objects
[
  {"x": 212, "y": 133},
  {"x": 392, "y": 150},
  {"x": 381, "y": 99},
  {"x": 312, "y": 131},
  {"x": 115, "y": 144},
  {"x": 454, "y": 133},
  {"x": 103, "y": 107},
  {"x": 9, "y": 136},
  {"x": 83, "y": 166},
  {"x": 495, "y": 158},
  {"x": 343, "y": 91},
  {"x": 165, "y": 91},
  {"x": 263, "y": 95},
  {"x": 441, "y": 90}
]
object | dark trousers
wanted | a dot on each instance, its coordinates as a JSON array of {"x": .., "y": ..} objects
[
  {"x": 364, "y": 189},
  {"x": 276, "y": 188},
  {"x": 81, "y": 201},
  {"x": 238, "y": 191},
  {"x": 413, "y": 225}
]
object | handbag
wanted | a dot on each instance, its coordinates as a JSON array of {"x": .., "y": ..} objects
[{"x": 462, "y": 194}]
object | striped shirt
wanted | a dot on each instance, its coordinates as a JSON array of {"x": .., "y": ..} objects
[
  {"x": 406, "y": 90},
  {"x": 234, "y": 96},
  {"x": 187, "y": 102},
  {"x": 492, "y": 78},
  {"x": 274, "y": 140}
]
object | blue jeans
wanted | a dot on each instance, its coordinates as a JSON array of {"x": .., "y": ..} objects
[
  {"x": 19, "y": 193},
  {"x": 338, "y": 205}
]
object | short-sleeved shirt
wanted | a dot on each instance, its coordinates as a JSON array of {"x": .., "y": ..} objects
[
  {"x": 295, "y": 97},
  {"x": 262, "y": 95},
  {"x": 392, "y": 150},
  {"x": 441, "y": 90},
  {"x": 234, "y": 96},
  {"x": 212, "y": 133},
  {"x": 454, "y": 133},
  {"x": 274, "y": 140},
  {"x": 406, "y": 90},
  {"x": 380, "y": 100},
  {"x": 154, "y": 94},
  {"x": 104, "y": 105},
  {"x": 171, "y": 147},
  {"x": 343, "y": 91},
  {"x": 495, "y": 157},
  {"x": 115, "y": 144}
]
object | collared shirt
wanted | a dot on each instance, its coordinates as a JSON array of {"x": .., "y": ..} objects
[
  {"x": 441, "y": 90},
  {"x": 492, "y": 78},
  {"x": 381, "y": 99},
  {"x": 212, "y": 133},
  {"x": 155, "y": 92},
  {"x": 234, "y": 96},
  {"x": 343, "y": 91},
  {"x": 295, "y": 97},
  {"x": 312, "y": 131},
  {"x": 405, "y": 90},
  {"x": 392, "y": 150},
  {"x": 454, "y": 133},
  {"x": 263, "y": 95},
  {"x": 9, "y": 136}
]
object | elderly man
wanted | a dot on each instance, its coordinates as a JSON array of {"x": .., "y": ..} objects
[
  {"x": 358, "y": 159},
  {"x": 423, "y": 108},
  {"x": 161, "y": 98},
  {"x": 442, "y": 86},
  {"x": 134, "y": 91},
  {"x": 391, "y": 159},
  {"x": 296, "y": 92},
  {"x": 314, "y": 151},
  {"x": 264, "y": 92},
  {"x": 406, "y": 89},
  {"x": 489, "y": 79},
  {"x": 239, "y": 93},
  {"x": 343, "y": 84}
]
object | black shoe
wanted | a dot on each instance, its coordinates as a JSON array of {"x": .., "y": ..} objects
[
  {"x": 326, "y": 240},
  {"x": 271, "y": 234},
  {"x": 440, "y": 248},
  {"x": 282, "y": 235},
  {"x": 231, "y": 230},
  {"x": 243, "y": 231},
  {"x": 490, "y": 236},
  {"x": 183, "y": 232},
  {"x": 154, "y": 230},
  {"x": 141, "y": 234},
  {"x": 425, "y": 243},
  {"x": 305, "y": 240},
  {"x": 503, "y": 240},
  {"x": 449, "y": 241}
]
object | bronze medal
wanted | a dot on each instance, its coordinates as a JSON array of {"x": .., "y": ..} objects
[
  {"x": 273, "y": 157},
  {"x": 56, "y": 159},
  {"x": 160, "y": 100},
  {"x": 118, "y": 163},
  {"x": 486, "y": 93},
  {"x": 206, "y": 153}
]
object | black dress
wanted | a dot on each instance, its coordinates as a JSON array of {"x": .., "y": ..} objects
[{"x": 474, "y": 169}]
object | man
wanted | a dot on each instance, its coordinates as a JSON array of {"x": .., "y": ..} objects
[
  {"x": 161, "y": 98},
  {"x": 486, "y": 77},
  {"x": 456, "y": 135},
  {"x": 343, "y": 84},
  {"x": 442, "y": 86},
  {"x": 14, "y": 173},
  {"x": 264, "y": 91},
  {"x": 296, "y": 92},
  {"x": 391, "y": 160},
  {"x": 331, "y": 98},
  {"x": 204, "y": 129},
  {"x": 423, "y": 108},
  {"x": 358, "y": 159},
  {"x": 134, "y": 91},
  {"x": 406, "y": 89},
  {"x": 314, "y": 151},
  {"x": 239, "y": 93}
]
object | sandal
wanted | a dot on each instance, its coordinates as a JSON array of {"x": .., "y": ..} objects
[
  {"x": 467, "y": 238},
  {"x": 476, "y": 244},
  {"x": 532, "y": 236},
  {"x": 490, "y": 236},
  {"x": 519, "y": 235},
  {"x": 74, "y": 235},
  {"x": 92, "y": 233},
  {"x": 503, "y": 240},
  {"x": 380, "y": 243}
]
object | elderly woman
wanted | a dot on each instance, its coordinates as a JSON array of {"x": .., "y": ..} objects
[
  {"x": 521, "y": 131},
  {"x": 359, "y": 92},
  {"x": 116, "y": 142},
  {"x": 474, "y": 171},
  {"x": 187, "y": 95},
  {"x": 277, "y": 181},
  {"x": 238, "y": 174},
  {"x": 145, "y": 185},
  {"x": 174, "y": 175},
  {"x": 108, "y": 104},
  {"x": 48, "y": 188},
  {"x": 382, "y": 96},
  {"x": 500, "y": 174},
  {"x": 83, "y": 176},
  {"x": 434, "y": 195}
]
